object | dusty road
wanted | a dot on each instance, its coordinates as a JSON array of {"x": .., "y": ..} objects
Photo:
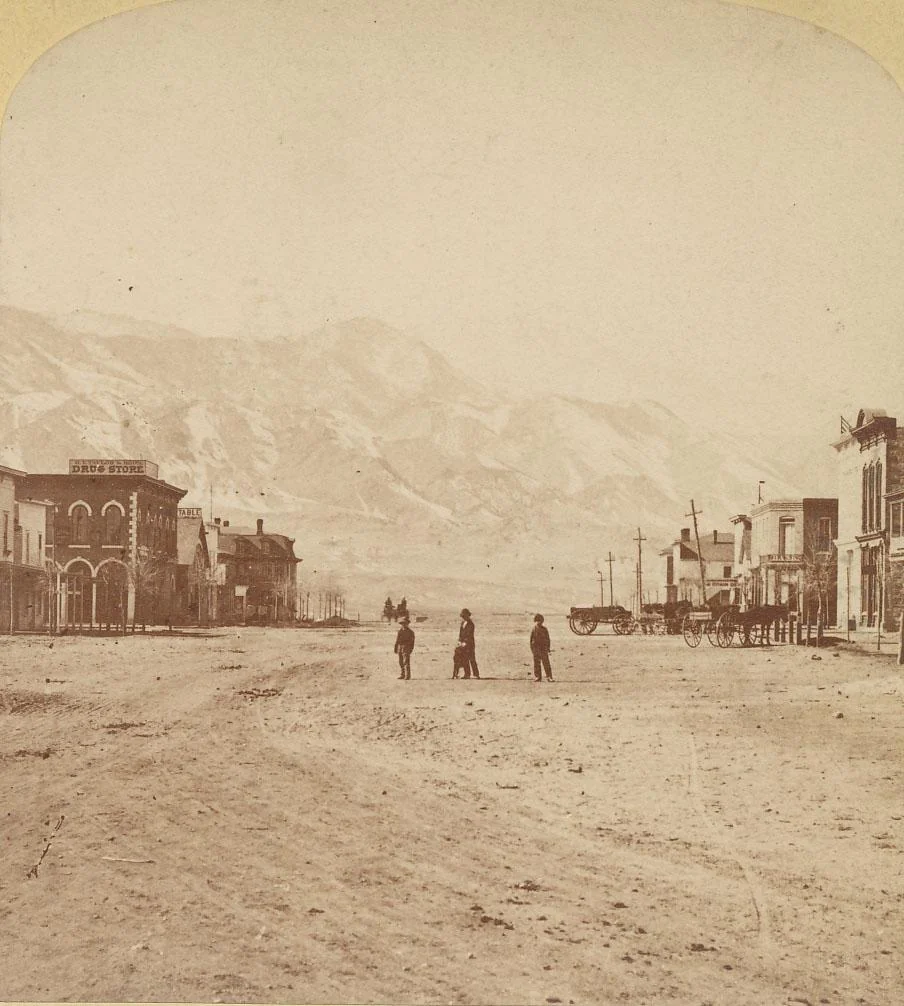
[{"x": 272, "y": 816}]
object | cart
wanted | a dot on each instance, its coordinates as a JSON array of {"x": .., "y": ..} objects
[
  {"x": 584, "y": 621},
  {"x": 710, "y": 622}
]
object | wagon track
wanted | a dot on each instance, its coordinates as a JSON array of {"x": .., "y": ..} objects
[{"x": 757, "y": 892}]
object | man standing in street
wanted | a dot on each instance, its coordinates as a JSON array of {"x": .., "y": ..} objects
[
  {"x": 466, "y": 636},
  {"x": 404, "y": 644},
  {"x": 539, "y": 647}
]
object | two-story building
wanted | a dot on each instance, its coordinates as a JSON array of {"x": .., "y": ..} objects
[
  {"x": 259, "y": 575},
  {"x": 113, "y": 541},
  {"x": 8, "y": 479},
  {"x": 792, "y": 556},
  {"x": 742, "y": 592},
  {"x": 195, "y": 586},
  {"x": 683, "y": 568},
  {"x": 25, "y": 589},
  {"x": 870, "y": 456}
]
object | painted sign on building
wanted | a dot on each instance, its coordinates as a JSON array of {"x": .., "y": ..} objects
[
  {"x": 190, "y": 511},
  {"x": 111, "y": 466}
]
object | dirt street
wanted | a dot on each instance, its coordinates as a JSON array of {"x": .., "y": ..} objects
[{"x": 270, "y": 815}]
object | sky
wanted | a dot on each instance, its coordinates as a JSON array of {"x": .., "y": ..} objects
[{"x": 685, "y": 201}]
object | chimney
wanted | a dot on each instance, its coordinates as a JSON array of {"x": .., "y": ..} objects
[
  {"x": 225, "y": 523},
  {"x": 685, "y": 534},
  {"x": 216, "y": 521},
  {"x": 260, "y": 525},
  {"x": 715, "y": 537}
]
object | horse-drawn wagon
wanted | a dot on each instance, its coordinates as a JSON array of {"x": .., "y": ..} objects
[{"x": 726, "y": 624}]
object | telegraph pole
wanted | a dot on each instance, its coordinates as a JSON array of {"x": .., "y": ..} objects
[
  {"x": 610, "y": 560},
  {"x": 695, "y": 513},
  {"x": 639, "y": 539}
]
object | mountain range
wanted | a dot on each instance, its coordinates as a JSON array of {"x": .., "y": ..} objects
[{"x": 395, "y": 470}]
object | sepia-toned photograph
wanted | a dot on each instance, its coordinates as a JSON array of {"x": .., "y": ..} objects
[{"x": 451, "y": 503}]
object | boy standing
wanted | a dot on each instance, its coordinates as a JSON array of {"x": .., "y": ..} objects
[
  {"x": 539, "y": 647},
  {"x": 404, "y": 644}
]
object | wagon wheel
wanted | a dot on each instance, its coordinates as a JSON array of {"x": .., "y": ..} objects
[
  {"x": 623, "y": 625},
  {"x": 750, "y": 634},
  {"x": 582, "y": 623},
  {"x": 711, "y": 627},
  {"x": 692, "y": 631},
  {"x": 725, "y": 630}
]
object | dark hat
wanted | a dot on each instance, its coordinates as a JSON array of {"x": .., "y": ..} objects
[
  {"x": 404, "y": 620},
  {"x": 465, "y": 613},
  {"x": 538, "y": 618}
]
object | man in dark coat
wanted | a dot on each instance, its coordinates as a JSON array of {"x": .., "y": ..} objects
[
  {"x": 539, "y": 647},
  {"x": 466, "y": 636},
  {"x": 404, "y": 644}
]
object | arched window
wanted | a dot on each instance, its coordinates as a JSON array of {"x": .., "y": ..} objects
[
  {"x": 864, "y": 502},
  {"x": 113, "y": 526},
  {"x": 877, "y": 520},
  {"x": 78, "y": 522}
]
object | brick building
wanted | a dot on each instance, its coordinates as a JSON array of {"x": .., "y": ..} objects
[
  {"x": 870, "y": 455},
  {"x": 113, "y": 540}
]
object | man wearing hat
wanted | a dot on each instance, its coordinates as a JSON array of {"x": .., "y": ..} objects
[
  {"x": 466, "y": 636},
  {"x": 404, "y": 644},
  {"x": 539, "y": 647}
]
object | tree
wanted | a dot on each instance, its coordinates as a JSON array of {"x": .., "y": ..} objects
[
  {"x": 148, "y": 576},
  {"x": 819, "y": 579},
  {"x": 388, "y": 610},
  {"x": 401, "y": 609}
]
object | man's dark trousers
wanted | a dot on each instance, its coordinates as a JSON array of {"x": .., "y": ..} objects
[{"x": 542, "y": 656}]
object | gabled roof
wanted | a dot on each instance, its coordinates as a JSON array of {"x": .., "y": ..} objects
[
  {"x": 230, "y": 536},
  {"x": 721, "y": 550}
]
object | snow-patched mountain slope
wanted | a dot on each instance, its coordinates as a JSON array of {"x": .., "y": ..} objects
[{"x": 370, "y": 447}]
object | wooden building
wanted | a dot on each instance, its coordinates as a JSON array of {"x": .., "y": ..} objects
[
  {"x": 683, "y": 562},
  {"x": 25, "y": 590},
  {"x": 195, "y": 587},
  {"x": 258, "y": 578}
]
